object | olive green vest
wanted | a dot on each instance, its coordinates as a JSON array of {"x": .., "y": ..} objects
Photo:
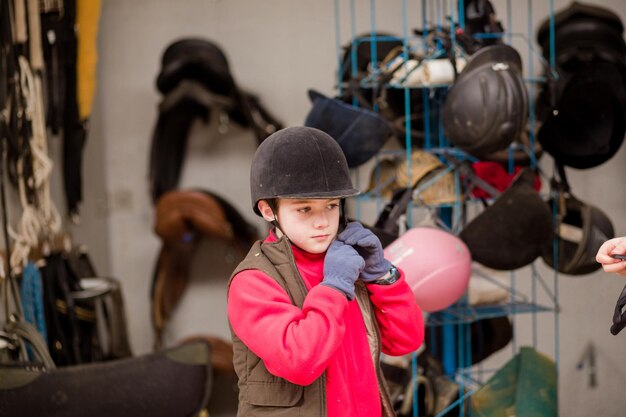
[{"x": 264, "y": 394}]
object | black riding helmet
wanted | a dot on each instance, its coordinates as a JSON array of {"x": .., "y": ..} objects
[
  {"x": 587, "y": 126},
  {"x": 584, "y": 33},
  {"x": 513, "y": 231},
  {"x": 486, "y": 108},
  {"x": 299, "y": 162},
  {"x": 582, "y": 229},
  {"x": 360, "y": 133}
]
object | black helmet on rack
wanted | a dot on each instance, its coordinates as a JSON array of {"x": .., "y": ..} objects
[
  {"x": 361, "y": 56},
  {"x": 360, "y": 133},
  {"x": 299, "y": 162},
  {"x": 582, "y": 229},
  {"x": 419, "y": 139},
  {"x": 480, "y": 17},
  {"x": 584, "y": 34},
  {"x": 362, "y": 46},
  {"x": 584, "y": 110},
  {"x": 486, "y": 108},
  {"x": 513, "y": 231},
  {"x": 587, "y": 126}
]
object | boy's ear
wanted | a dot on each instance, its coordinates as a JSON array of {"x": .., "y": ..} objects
[{"x": 266, "y": 211}]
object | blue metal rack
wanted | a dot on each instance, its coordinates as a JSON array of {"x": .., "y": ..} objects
[{"x": 456, "y": 319}]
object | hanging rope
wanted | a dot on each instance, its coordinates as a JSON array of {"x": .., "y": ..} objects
[
  {"x": 44, "y": 218},
  {"x": 42, "y": 164},
  {"x": 29, "y": 227},
  {"x": 31, "y": 90}
]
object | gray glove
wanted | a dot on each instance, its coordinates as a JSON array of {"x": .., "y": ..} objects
[
  {"x": 342, "y": 266},
  {"x": 369, "y": 247}
]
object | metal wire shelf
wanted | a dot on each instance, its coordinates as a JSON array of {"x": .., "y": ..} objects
[
  {"x": 455, "y": 319},
  {"x": 464, "y": 313}
]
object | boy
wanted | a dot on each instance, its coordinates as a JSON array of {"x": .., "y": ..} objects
[{"x": 311, "y": 310}]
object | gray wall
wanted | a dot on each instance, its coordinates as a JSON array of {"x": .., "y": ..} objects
[{"x": 279, "y": 49}]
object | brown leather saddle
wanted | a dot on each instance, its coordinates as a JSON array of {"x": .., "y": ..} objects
[{"x": 182, "y": 219}]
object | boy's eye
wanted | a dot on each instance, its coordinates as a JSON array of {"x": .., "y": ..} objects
[
  {"x": 304, "y": 209},
  {"x": 333, "y": 206}
]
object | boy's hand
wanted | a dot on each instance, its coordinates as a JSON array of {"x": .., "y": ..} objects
[
  {"x": 369, "y": 247},
  {"x": 342, "y": 266}
]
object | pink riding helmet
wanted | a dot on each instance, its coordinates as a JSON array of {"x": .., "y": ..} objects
[{"x": 436, "y": 264}]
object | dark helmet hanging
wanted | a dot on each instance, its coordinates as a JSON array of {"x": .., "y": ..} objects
[
  {"x": 583, "y": 110},
  {"x": 360, "y": 133},
  {"x": 480, "y": 18},
  {"x": 587, "y": 126},
  {"x": 514, "y": 230},
  {"x": 584, "y": 34},
  {"x": 299, "y": 162},
  {"x": 582, "y": 229},
  {"x": 362, "y": 47},
  {"x": 486, "y": 108}
]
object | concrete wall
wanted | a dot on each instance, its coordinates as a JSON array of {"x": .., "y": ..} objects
[{"x": 278, "y": 49}]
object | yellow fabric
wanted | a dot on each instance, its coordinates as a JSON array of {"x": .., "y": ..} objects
[
  {"x": 422, "y": 163},
  {"x": 87, "y": 16},
  {"x": 383, "y": 178},
  {"x": 440, "y": 191},
  {"x": 391, "y": 175}
]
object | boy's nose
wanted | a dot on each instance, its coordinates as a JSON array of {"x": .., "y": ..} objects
[{"x": 321, "y": 220}]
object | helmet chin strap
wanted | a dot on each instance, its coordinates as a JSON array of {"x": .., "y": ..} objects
[
  {"x": 343, "y": 219},
  {"x": 272, "y": 203}
]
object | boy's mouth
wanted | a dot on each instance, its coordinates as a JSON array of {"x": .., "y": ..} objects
[{"x": 321, "y": 236}]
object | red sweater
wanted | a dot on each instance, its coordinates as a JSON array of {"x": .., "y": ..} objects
[{"x": 327, "y": 335}]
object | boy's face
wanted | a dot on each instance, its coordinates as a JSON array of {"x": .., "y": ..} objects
[{"x": 310, "y": 224}]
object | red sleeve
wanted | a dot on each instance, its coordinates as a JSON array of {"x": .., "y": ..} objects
[
  {"x": 294, "y": 344},
  {"x": 399, "y": 317}
]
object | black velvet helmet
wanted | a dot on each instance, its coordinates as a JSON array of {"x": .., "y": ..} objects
[
  {"x": 299, "y": 162},
  {"x": 582, "y": 112},
  {"x": 587, "y": 126},
  {"x": 584, "y": 34},
  {"x": 513, "y": 231}
]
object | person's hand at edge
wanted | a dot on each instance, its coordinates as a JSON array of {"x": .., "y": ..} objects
[{"x": 616, "y": 246}]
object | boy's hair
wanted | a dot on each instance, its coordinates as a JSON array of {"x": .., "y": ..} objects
[{"x": 299, "y": 162}]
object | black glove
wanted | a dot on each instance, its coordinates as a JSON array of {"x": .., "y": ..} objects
[
  {"x": 369, "y": 247},
  {"x": 342, "y": 266},
  {"x": 619, "y": 317}
]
